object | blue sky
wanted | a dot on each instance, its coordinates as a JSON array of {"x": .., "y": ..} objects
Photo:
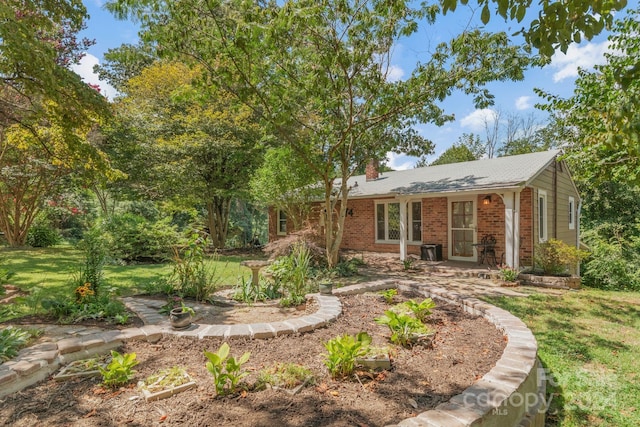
[{"x": 510, "y": 97}]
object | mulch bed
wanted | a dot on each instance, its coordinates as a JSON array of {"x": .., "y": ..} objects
[{"x": 465, "y": 347}]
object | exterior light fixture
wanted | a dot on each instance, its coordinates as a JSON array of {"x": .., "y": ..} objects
[{"x": 487, "y": 200}]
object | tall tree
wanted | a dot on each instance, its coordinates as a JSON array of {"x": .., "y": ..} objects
[
  {"x": 37, "y": 44},
  {"x": 200, "y": 146},
  {"x": 558, "y": 24},
  {"x": 469, "y": 147},
  {"x": 286, "y": 183},
  {"x": 28, "y": 175},
  {"x": 325, "y": 66},
  {"x": 602, "y": 116}
]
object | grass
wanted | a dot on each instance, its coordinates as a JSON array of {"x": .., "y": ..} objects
[
  {"x": 49, "y": 271},
  {"x": 590, "y": 342}
]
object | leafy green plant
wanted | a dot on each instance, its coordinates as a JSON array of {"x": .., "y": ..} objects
[
  {"x": 389, "y": 295},
  {"x": 42, "y": 235},
  {"x": 13, "y": 339},
  {"x": 293, "y": 272},
  {"x": 120, "y": 370},
  {"x": 556, "y": 257},
  {"x": 33, "y": 300},
  {"x": 121, "y": 319},
  {"x": 191, "y": 275},
  {"x": 407, "y": 263},
  {"x": 91, "y": 272},
  {"x": 5, "y": 275},
  {"x": 508, "y": 274},
  {"x": 285, "y": 375},
  {"x": 133, "y": 238},
  {"x": 226, "y": 370},
  {"x": 422, "y": 309},
  {"x": 343, "y": 352},
  {"x": 404, "y": 328},
  {"x": 186, "y": 308}
]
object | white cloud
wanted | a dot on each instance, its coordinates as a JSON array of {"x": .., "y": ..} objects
[
  {"x": 476, "y": 120},
  {"x": 523, "y": 103},
  {"x": 400, "y": 162},
  {"x": 394, "y": 73},
  {"x": 578, "y": 57},
  {"x": 85, "y": 70}
]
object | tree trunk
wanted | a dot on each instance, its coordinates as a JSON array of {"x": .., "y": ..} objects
[
  {"x": 334, "y": 228},
  {"x": 218, "y": 220}
]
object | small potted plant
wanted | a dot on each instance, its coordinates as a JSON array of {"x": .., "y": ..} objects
[{"x": 181, "y": 317}]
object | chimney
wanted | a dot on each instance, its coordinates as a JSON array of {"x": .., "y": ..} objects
[{"x": 372, "y": 170}]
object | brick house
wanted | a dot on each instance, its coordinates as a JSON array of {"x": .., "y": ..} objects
[{"x": 520, "y": 200}]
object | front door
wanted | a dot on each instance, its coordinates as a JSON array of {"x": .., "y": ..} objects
[{"x": 462, "y": 229}]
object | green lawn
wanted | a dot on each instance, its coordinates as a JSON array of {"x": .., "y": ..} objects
[
  {"x": 590, "y": 341},
  {"x": 52, "y": 268}
]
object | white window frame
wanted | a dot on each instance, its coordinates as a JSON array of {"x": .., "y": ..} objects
[
  {"x": 410, "y": 221},
  {"x": 281, "y": 221},
  {"x": 572, "y": 213},
  {"x": 408, "y": 226},
  {"x": 543, "y": 216}
]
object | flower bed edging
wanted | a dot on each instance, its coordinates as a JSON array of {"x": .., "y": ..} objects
[{"x": 510, "y": 394}]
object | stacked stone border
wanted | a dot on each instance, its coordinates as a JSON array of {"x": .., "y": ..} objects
[{"x": 510, "y": 394}]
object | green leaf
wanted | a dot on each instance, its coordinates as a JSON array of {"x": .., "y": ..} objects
[{"x": 485, "y": 15}]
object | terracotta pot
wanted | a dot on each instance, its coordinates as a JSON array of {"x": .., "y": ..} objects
[{"x": 180, "y": 319}]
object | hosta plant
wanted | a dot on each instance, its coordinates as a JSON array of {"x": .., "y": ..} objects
[
  {"x": 120, "y": 370},
  {"x": 343, "y": 352},
  {"x": 405, "y": 329},
  {"x": 226, "y": 370},
  {"x": 420, "y": 309}
]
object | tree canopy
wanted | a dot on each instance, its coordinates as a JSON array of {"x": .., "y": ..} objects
[
  {"x": 601, "y": 119},
  {"x": 323, "y": 66},
  {"x": 558, "y": 24},
  {"x": 197, "y": 146}
]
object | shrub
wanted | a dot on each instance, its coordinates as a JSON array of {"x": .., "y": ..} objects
[
  {"x": 556, "y": 257},
  {"x": 614, "y": 263},
  {"x": 133, "y": 238},
  {"x": 42, "y": 235}
]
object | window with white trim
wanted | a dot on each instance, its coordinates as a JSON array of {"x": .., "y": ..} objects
[
  {"x": 388, "y": 222},
  {"x": 542, "y": 215},
  {"x": 572, "y": 213},
  {"x": 282, "y": 223}
]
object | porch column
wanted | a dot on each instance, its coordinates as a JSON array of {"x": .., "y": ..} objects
[
  {"x": 512, "y": 228},
  {"x": 403, "y": 230}
]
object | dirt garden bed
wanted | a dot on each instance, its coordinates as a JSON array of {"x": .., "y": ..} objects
[{"x": 464, "y": 349}]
